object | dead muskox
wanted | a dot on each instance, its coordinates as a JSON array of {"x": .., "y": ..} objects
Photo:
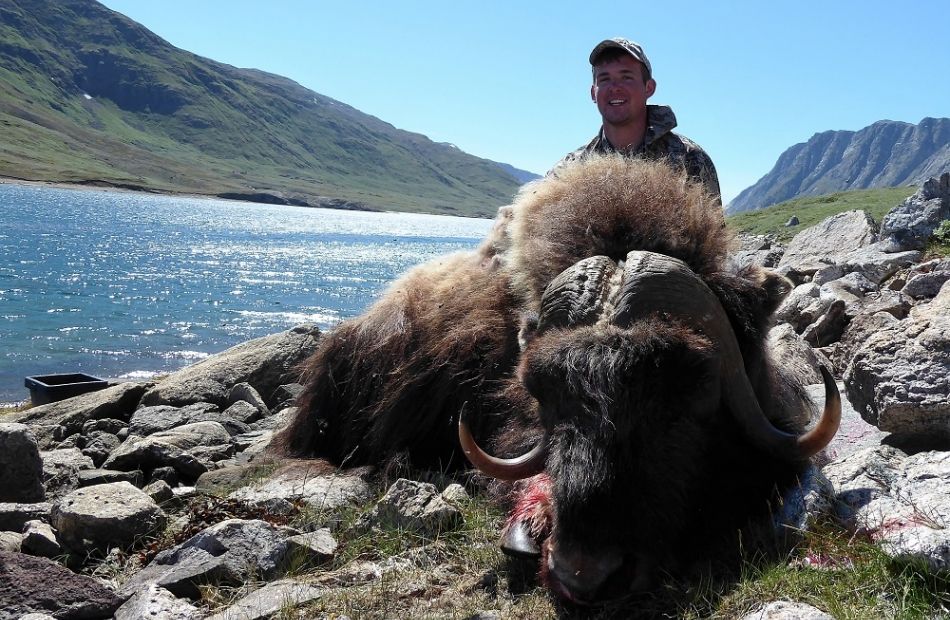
[{"x": 598, "y": 344}]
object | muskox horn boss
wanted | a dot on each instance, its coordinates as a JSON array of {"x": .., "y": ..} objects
[{"x": 655, "y": 283}]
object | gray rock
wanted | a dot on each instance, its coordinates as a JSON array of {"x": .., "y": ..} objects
[
  {"x": 98, "y": 445},
  {"x": 319, "y": 491},
  {"x": 14, "y": 516},
  {"x": 165, "y": 473},
  {"x": 924, "y": 280},
  {"x": 829, "y": 326},
  {"x": 803, "y": 306},
  {"x": 10, "y": 541},
  {"x": 61, "y": 469},
  {"x": 40, "y": 539},
  {"x": 105, "y": 425},
  {"x": 227, "y": 553},
  {"x": 792, "y": 221},
  {"x": 854, "y": 434},
  {"x": 264, "y": 363},
  {"x": 910, "y": 225},
  {"x": 877, "y": 265},
  {"x": 148, "y": 420},
  {"x": 276, "y": 421},
  {"x": 285, "y": 396},
  {"x": 455, "y": 494},
  {"x": 802, "y": 504},
  {"x": 899, "y": 378},
  {"x": 828, "y": 241},
  {"x": 902, "y": 501},
  {"x": 245, "y": 392},
  {"x": 269, "y": 600},
  {"x": 786, "y": 610},
  {"x": 827, "y": 274},
  {"x": 159, "y": 491},
  {"x": 255, "y": 441},
  {"x": 106, "y": 514},
  {"x": 91, "y": 477},
  {"x": 21, "y": 469},
  {"x": 116, "y": 402},
  {"x": 173, "y": 448},
  {"x": 893, "y": 302},
  {"x": 313, "y": 547},
  {"x": 157, "y": 602},
  {"x": 414, "y": 506},
  {"x": 30, "y": 584}
]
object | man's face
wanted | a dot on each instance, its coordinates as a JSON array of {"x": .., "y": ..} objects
[{"x": 619, "y": 91}]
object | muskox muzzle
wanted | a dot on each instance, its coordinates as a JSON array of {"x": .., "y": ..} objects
[{"x": 597, "y": 289}]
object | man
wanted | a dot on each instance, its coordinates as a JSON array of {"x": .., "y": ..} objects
[{"x": 623, "y": 81}]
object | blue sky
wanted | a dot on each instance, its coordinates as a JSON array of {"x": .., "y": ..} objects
[{"x": 510, "y": 81}]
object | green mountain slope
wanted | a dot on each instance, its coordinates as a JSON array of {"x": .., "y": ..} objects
[{"x": 88, "y": 95}]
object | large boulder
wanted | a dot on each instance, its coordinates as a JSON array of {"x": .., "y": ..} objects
[
  {"x": 36, "y": 585},
  {"x": 321, "y": 491},
  {"x": 829, "y": 240},
  {"x": 265, "y": 363},
  {"x": 106, "y": 514},
  {"x": 909, "y": 225},
  {"x": 148, "y": 420},
  {"x": 182, "y": 447},
  {"x": 21, "y": 468},
  {"x": 53, "y": 421},
  {"x": 899, "y": 379}
]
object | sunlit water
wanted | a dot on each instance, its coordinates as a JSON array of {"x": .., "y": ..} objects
[{"x": 124, "y": 285}]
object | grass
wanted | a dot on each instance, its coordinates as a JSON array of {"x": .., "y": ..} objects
[{"x": 812, "y": 210}]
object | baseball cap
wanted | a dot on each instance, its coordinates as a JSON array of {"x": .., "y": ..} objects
[{"x": 631, "y": 47}]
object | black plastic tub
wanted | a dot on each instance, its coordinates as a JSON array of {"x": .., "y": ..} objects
[{"x": 51, "y": 388}]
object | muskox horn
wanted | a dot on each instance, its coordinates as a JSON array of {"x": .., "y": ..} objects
[
  {"x": 576, "y": 296},
  {"x": 517, "y": 468},
  {"x": 657, "y": 283}
]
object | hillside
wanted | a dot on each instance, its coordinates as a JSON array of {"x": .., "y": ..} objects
[
  {"x": 90, "y": 96},
  {"x": 886, "y": 154}
]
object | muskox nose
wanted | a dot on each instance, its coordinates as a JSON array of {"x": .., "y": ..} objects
[{"x": 582, "y": 572}]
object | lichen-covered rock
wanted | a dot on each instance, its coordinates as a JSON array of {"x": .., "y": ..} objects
[
  {"x": 267, "y": 601},
  {"x": 265, "y": 363},
  {"x": 829, "y": 240},
  {"x": 21, "y": 469},
  {"x": 320, "y": 491},
  {"x": 157, "y": 602},
  {"x": 148, "y": 420},
  {"x": 902, "y": 501},
  {"x": 899, "y": 378},
  {"x": 104, "y": 515},
  {"x": 61, "y": 469},
  {"x": 313, "y": 547},
  {"x": 414, "y": 506},
  {"x": 909, "y": 225},
  {"x": 787, "y": 610}
]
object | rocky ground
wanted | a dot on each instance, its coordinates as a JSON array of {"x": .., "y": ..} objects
[{"x": 156, "y": 500}]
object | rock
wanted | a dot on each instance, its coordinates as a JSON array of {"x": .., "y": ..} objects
[
  {"x": 909, "y": 225},
  {"x": 877, "y": 265},
  {"x": 159, "y": 491},
  {"x": 98, "y": 445},
  {"x": 456, "y": 495},
  {"x": 21, "y": 469},
  {"x": 254, "y": 441},
  {"x": 413, "y": 506},
  {"x": 61, "y": 469},
  {"x": 856, "y": 334},
  {"x": 228, "y": 553},
  {"x": 267, "y": 601},
  {"x": 827, "y": 274},
  {"x": 157, "y": 602},
  {"x": 828, "y": 241},
  {"x": 165, "y": 473},
  {"x": 802, "y": 504},
  {"x": 173, "y": 448},
  {"x": 116, "y": 402},
  {"x": 14, "y": 516},
  {"x": 899, "y": 378},
  {"x": 265, "y": 363},
  {"x": 854, "y": 434},
  {"x": 244, "y": 392},
  {"x": 36, "y": 585},
  {"x": 786, "y": 610},
  {"x": 39, "y": 539},
  {"x": 275, "y": 422},
  {"x": 894, "y": 303},
  {"x": 829, "y": 327},
  {"x": 792, "y": 221},
  {"x": 148, "y": 420},
  {"x": 902, "y": 501},
  {"x": 10, "y": 541},
  {"x": 105, "y": 425},
  {"x": 803, "y": 306},
  {"x": 106, "y": 514},
  {"x": 925, "y": 280},
  {"x": 91, "y": 477},
  {"x": 314, "y": 547},
  {"x": 285, "y": 396},
  {"x": 301, "y": 482}
]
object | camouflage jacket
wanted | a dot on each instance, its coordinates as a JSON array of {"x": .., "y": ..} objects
[{"x": 659, "y": 142}]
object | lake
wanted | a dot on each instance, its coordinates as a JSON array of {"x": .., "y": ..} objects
[{"x": 127, "y": 285}]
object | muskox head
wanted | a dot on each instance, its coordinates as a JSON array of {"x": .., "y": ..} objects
[{"x": 654, "y": 435}]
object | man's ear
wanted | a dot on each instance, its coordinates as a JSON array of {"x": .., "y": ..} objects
[
  {"x": 593, "y": 93},
  {"x": 650, "y": 87}
]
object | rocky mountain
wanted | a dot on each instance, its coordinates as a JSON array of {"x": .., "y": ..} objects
[
  {"x": 90, "y": 96},
  {"x": 886, "y": 154}
]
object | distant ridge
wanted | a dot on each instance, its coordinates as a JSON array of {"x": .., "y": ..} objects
[
  {"x": 885, "y": 154},
  {"x": 90, "y": 96}
]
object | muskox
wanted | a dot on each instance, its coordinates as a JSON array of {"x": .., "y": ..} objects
[{"x": 598, "y": 346}]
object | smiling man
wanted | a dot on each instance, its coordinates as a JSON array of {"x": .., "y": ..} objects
[{"x": 623, "y": 81}]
